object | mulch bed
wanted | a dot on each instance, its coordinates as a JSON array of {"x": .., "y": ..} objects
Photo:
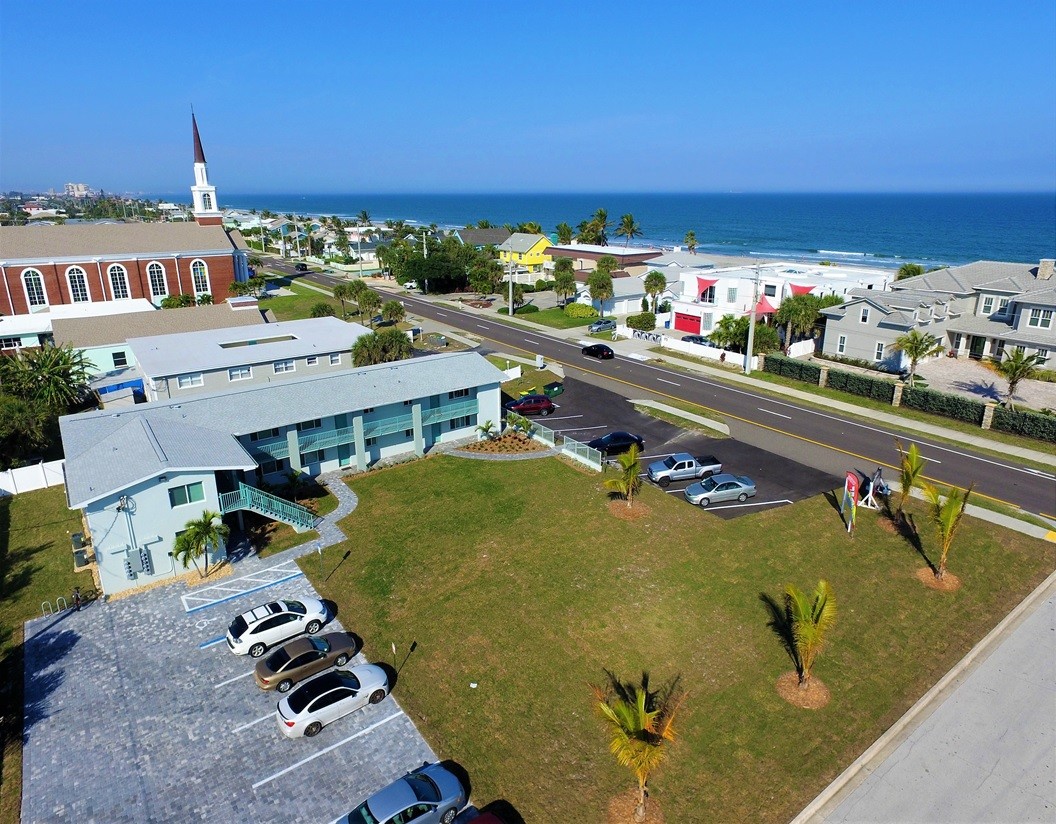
[
  {"x": 621, "y": 809},
  {"x": 506, "y": 445},
  {"x": 814, "y": 697},
  {"x": 636, "y": 511},
  {"x": 947, "y": 583}
]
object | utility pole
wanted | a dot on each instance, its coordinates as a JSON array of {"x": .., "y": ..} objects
[
  {"x": 751, "y": 325},
  {"x": 509, "y": 274}
]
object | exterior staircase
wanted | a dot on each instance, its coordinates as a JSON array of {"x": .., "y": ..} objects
[{"x": 268, "y": 505}]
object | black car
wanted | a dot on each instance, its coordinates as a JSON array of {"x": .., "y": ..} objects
[
  {"x": 698, "y": 339},
  {"x": 616, "y": 443},
  {"x": 599, "y": 351},
  {"x": 301, "y": 267}
]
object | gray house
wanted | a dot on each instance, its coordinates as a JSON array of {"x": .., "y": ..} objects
[{"x": 140, "y": 474}]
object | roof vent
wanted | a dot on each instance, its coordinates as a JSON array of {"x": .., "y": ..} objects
[{"x": 1045, "y": 268}]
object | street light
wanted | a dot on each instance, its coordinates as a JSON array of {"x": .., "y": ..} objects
[{"x": 751, "y": 325}]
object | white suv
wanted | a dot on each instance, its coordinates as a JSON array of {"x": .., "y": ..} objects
[{"x": 254, "y": 631}]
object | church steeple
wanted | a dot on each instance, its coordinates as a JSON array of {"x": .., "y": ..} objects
[{"x": 206, "y": 212}]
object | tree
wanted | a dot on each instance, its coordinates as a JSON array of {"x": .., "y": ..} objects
[
  {"x": 911, "y": 469},
  {"x": 917, "y": 346},
  {"x": 530, "y": 228},
  {"x": 53, "y": 376},
  {"x": 487, "y": 430},
  {"x": 691, "y": 241},
  {"x": 385, "y": 346},
  {"x": 811, "y": 619},
  {"x": 628, "y": 229},
  {"x": 343, "y": 291},
  {"x": 23, "y": 428},
  {"x": 946, "y": 513},
  {"x": 484, "y": 276},
  {"x": 601, "y": 224},
  {"x": 655, "y": 283},
  {"x": 727, "y": 333},
  {"x": 369, "y": 303},
  {"x": 607, "y": 264},
  {"x": 1018, "y": 367},
  {"x": 564, "y": 234},
  {"x": 205, "y": 299},
  {"x": 629, "y": 480},
  {"x": 177, "y": 301},
  {"x": 199, "y": 535},
  {"x": 909, "y": 270},
  {"x": 640, "y": 722},
  {"x": 363, "y": 218},
  {"x": 564, "y": 278},
  {"x": 392, "y": 311},
  {"x": 798, "y": 313},
  {"x": 322, "y": 309},
  {"x": 600, "y": 285}
]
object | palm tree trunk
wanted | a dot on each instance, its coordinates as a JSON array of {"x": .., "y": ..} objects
[
  {"x": 639, "y": 810},
  {"x": 206, "y": 560}
]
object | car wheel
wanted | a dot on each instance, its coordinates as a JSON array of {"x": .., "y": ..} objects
[
  {"x": 447, "y": 817},
  {"x": 707, "y": 474},
  {"x": 284, "y": 685},
  {"x": 377, "y": 696},
  {"x": 544, "y": 412},
  {"x": 742, "y": 497},
  {"x": 257, "y": 650},
  {"x": 312, "y": 729},
  {"x": 313, "y": 627},
  {"x": 664, "y": 482},
  {"x": 704, "y": 502},
  {"x": 342, "y": 659}
]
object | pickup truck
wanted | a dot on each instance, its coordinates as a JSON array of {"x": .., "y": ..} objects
[{"x": 683, "y": 467}]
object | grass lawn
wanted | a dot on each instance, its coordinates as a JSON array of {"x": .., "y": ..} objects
[
  {"x": 517, "y": 578},
  {"x": 684, "y": 423},
  {"x": 298, "y": 306},
  {"x": 272, "y": 537},
  {"x": 36, "y": 564},
  {"x": 557, "y": 319}
]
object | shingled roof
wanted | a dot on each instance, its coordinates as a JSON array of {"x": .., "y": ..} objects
[
  {"x": 83, "y": 333},
  {"x": 113, "y": 240}
]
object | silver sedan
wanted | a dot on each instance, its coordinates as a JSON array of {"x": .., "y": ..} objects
[{"x": 720, "y": 488}]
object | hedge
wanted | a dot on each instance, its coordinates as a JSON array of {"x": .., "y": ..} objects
[
  {"x": 645, "y": 322},
  {"x": 792, "y": 368},
  {"x": 580, "y": 310},
  {"x": 863, "y": 385},
  {"x": 1030, "y": 424},
  {"x": 939, "y": 403},
  {"x": 527, "y": 309}
]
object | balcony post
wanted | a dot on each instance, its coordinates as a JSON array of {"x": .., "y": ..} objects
[
  {"x": 419, "y": 439},
  {"x": 360, "y": 442}
]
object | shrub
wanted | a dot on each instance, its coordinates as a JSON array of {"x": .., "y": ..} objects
[
  {"x": 665, "y": 307},
  {"x": 1029, "y": 424},
  {"x": 580, "y": 310},
  {"x": 863, "y": 385},
  {"x": 542, "y": 285},
  {"x": 645, "y": 322},
  {"x": 792, "y": 368},
  {"x": 527, "y": 309},
  {"x": 939, "y": 403},
  {"x": 645, "y": 304}
]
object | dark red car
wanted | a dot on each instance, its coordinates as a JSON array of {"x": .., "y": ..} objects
[{"x": 531, "y": 405}]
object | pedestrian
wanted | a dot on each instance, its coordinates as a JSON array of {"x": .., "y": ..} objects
[
  {"x": 722, "y": 357},
  {"x": 77, "y": 598}
]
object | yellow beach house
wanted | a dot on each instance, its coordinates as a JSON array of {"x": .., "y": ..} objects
[{"x": 524, "y": 251}]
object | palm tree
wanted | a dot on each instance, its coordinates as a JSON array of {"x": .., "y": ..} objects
[
  {"x": 564, "y": 278},
  {"x": 917, "y": 346},
  {"x": 199, "y": 535},
  {"x": 727, "y": 332},
  {"x": 691, "y": 241},
  {"x": 1018, "y": 367},
  {"x": 368, "y": 350},
  {"x": 344, "y": 291},
  {"x": 564, "y": 233},
  {"x": 628, "y": 229},
  {"x": 601, "y": 289},
  {"x": 911, "y": 466},
  {"x": 363, "y": 218},
  {"x": 909, "y": 270},
  {"x": 369, "y": 303},
  {"x": 811, "y": 619},
  {"x": 629, "y": 481},
  {"x": 655, "y": 283},
  {"x": 392, "y": 311},
  {"x": 640, "y": 721},
  {"x": 55, "y": 376},
  {"x": 946, "y": 514},
  {"x": 601, "y": 225},
  {"x": 798, "y": 313},
  {"x": 487, "y": 430}
]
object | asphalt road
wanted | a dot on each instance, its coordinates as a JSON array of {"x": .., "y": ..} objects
[{"x": 814, "y": 437}]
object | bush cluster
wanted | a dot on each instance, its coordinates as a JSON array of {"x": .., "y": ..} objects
[
  {"x": 1030, "y": 424},
  {"x": 543, "y": 285},
  {"x": 645, "y": 322},
  {"x": 792, "y": 368},
  {"x": 863, "y": 385},
  {"x": 580, "y": 310},
  {"x": 526, "y": 309},
  {"x": 939, "y": 403}
]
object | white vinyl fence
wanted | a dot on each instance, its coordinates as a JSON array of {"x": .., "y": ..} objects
[
  {"x": 695, "y": 349},
  {"x": 28, "y": 478}
]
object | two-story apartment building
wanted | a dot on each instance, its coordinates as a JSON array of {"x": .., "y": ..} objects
[{"x": 140, "y": 474}]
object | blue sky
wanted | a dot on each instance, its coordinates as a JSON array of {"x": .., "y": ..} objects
[{"x": 474, "y": 97}]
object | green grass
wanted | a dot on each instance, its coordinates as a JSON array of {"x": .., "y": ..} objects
[
  {"x": 557, "y": 319},
  {"x": 298, "y": 306},
  {"x": 441, "y": 557},
  {"x": 36, "y": 564},
  {"x": 679, "y": 421},
  {"x": 532, "y": 380},
  {"x": 272, "y": 537}
]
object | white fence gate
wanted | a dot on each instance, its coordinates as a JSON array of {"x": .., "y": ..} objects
[{"x": 28, "y": 478}]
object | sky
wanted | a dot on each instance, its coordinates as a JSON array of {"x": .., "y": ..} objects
[{"x": 341, "y": 97}]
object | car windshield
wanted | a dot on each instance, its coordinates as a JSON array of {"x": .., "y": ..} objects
[
  {"x": 424, "y": 788},
  {"x": 278, "y": 660},
  {"x": 362, "y": 815},
  {"x": 295, "y": 606},
  {"x": 709, "y": 485},
  {"x": 670, "y": 461},
  {"x": 310, "y": 690},
  {"x": 320, "y": 644},
  {"x": 238, "y": 626}
]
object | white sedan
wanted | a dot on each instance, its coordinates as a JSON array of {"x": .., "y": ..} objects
[{"x": 331, "y": 696}]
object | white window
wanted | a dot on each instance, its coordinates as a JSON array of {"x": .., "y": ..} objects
[
  {"x": 284, "y": 366},
  {"x": 370, "y": 442},
  {"x": 879, "y": 354},
  {"x": 159, "y": 288},
  {"x": 458, "y": 393},
  {"x": 118, "y": 282},
  {"x": 706, "y": 322},
  {"x": 240, "y": 373},
  {"x": 312, "y": 360},
  {"x": 10, "y": 343},
  {"x": 263, "y": 435},
  {"x": 271, "y": 467},
  {"x": 841, "y": 345},
  {"x": 864, "y": 318},
  {"x": 78, "y": 281},
  {"x": 708, "y": 295},
  {"x": 461, "y": 423},
  {"x": 312, "y": 457},
  {"x": 770, "y": 290},
  {"x": 207, "y": 201},
  {"x": 335, "y": 359},
  {"x": 314, "y": 423},
  {"x": 1043, "y": 355},
  {"x": 988, "y": 305},
  {"x": 200, "y": 274},
  {"x": 731, "y": 294},
  {"x": 1002, "y": 305},
  {"x": 187, "y": 381},
  {"x": 33, "y": 282},
  {"x": 181, "y": 495},
  {"x": 1041, "y": 318},
  {"x": 120, "y": 360}
]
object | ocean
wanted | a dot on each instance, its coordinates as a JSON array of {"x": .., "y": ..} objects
[{"x": 875, "y": 229}]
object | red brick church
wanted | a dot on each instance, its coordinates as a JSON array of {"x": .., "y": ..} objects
[{"x": 44, "y": 266}]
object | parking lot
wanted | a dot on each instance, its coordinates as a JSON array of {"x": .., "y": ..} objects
[
  {"x": 586, "y": 411},
  {"x": 136, "y": 713}
]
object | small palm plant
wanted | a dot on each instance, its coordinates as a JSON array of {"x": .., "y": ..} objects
[
  {"x": 199, "y": 535},
  {"x": 946, "y": 513},
  {"x": 629, "y": 480},
  {"x": 917, "y": 346},
  {"x": 811, "y": 617},
  {"x": 911, "y": 467},
  {"x": 641, "y": 721},
  {"x": 487, "y": 430},
  {"x": 1017, "y": 367}
]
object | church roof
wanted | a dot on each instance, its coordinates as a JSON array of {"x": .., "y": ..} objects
[
  {"x": 199, "y": 153},
  {"x": 111, "y": 241}
]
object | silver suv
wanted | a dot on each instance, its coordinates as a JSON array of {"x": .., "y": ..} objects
[{"x": 252, "y": 632}]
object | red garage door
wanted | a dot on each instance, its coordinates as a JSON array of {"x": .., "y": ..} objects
[{"x": 687, "y": 323}]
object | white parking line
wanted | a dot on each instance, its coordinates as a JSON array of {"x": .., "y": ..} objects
[
  {"x": 581, "y": 428},
  {"x": 482, "y": 326},
  {"x": 529, "y": 340},
  {"x": 757, "y": 503},
  {"x": 232, "y": 680},
  {"x": 254, "y": 722},
  {"x": 564, "y": 417},
  {"x": 442, "y": 314},
  {"x": 929, "y": 459},
  {"x": 772, "y": 412},
  {"x": 332, "y": 747},
  {"x": 664, "y": 380}
]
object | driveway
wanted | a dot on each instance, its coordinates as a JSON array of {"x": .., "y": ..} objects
[
  {"x": 967, "y": 377},
  {"x": 137, "y": 712}
]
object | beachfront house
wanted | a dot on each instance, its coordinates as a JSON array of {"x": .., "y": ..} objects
[{"x": 524, "y": 252}]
